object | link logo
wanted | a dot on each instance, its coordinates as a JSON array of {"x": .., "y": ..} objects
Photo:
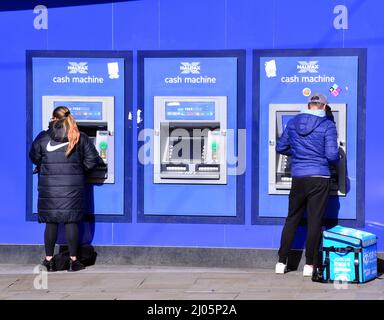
[
  {"x": 190, "y": 67},
  {"x": 81, "y": 67},
  {"x": 307, "y": 66}
]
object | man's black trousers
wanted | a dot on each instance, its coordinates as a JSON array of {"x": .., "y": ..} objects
[{"x": 311, "y": 194}]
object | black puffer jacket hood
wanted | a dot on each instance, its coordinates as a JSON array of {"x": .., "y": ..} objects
[{"x": 57, "y": 131}]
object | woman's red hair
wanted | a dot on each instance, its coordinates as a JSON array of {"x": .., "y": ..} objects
[{"x": 63, "y": 113}]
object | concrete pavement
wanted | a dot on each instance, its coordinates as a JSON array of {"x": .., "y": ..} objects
[{"x": 117, "y": 282}]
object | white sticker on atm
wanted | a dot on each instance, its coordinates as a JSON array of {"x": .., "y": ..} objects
[
  {"x": 113, "y": 70},
  {"x": 270, "y": 68}
]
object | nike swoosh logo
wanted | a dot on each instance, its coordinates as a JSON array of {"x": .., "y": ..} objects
[{"x": 51, "y": 148}]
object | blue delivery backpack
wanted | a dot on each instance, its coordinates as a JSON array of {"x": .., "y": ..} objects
[{"x": 349, "y": 255}]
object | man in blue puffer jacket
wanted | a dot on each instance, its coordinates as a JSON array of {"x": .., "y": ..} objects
[{"x": 310, "y": 139}]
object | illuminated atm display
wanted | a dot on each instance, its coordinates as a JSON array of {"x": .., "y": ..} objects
[
  {"x": 190, "y": 110},
  {"x": 81, "y": 110},
  {"x": 285, "y": 120}
]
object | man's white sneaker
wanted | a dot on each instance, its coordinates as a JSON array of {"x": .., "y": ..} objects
[
  {"x": 307, "y": 271},
  {"x": 280, "y": 268}
]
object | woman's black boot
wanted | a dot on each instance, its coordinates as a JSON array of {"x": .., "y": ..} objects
[
  {"x": 49, "y": 265},
  {"x": 75, "y": 265}
]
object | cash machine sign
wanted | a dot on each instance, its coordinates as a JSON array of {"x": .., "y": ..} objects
[{"x": 51, "y": 148}]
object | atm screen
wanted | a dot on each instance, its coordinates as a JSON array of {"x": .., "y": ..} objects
[
  {"x": 83, "y": 110},
  {"x": 186, "y": 149},
  {"x": 184, "y": 110},
  {"x": 285, "y": 120}
]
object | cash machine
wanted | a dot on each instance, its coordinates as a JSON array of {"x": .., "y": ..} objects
[
  {"x": 190, "y": 139},
  {"x": 94, "y": 116},
  {"x": 279, "y": 166}
]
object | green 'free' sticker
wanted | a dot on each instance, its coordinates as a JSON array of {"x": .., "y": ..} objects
[
  {"x": 103, "y": 145},
  {"x": 214, "y": 145}
]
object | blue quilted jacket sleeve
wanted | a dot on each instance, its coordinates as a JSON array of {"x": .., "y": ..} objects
[
  {"x": 283, "y": 145},
  {"x": 331, "y": 147}
]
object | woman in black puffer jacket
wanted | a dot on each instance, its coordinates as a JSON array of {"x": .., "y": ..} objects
[{"x": 62, "y": 155}]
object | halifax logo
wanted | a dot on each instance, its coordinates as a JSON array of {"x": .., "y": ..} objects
[
  {"x": 308, "y": 66},
  {"x": 81, "y": 67},
  {"x": 193, "y": 67}
]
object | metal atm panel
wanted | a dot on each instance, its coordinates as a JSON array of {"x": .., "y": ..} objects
[
  {"x": 279, "y": 172},
  {"x": 94, "y": 116},
  {"x": 190, "y": 139}
]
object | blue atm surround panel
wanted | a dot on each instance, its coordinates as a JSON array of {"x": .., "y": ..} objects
[
  {"x": 182, "y": 92},
  {"x": 95, "y": 86},
  {"x": 285, "y": 79}
]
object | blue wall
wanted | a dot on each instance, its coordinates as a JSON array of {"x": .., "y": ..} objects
[{"x": 188, "y": 24}]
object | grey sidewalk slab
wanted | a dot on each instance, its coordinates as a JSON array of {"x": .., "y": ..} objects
[{"x": 127, "y": 282}]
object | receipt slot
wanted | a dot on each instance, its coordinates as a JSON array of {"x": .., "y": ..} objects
[
  {"x": 190, "y": 140},
  {"x": 94, "y": 116},
  {"x": 279, "y": 166}
]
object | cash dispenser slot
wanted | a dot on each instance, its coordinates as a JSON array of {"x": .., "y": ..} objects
[{"x": 189, "y": 152}]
